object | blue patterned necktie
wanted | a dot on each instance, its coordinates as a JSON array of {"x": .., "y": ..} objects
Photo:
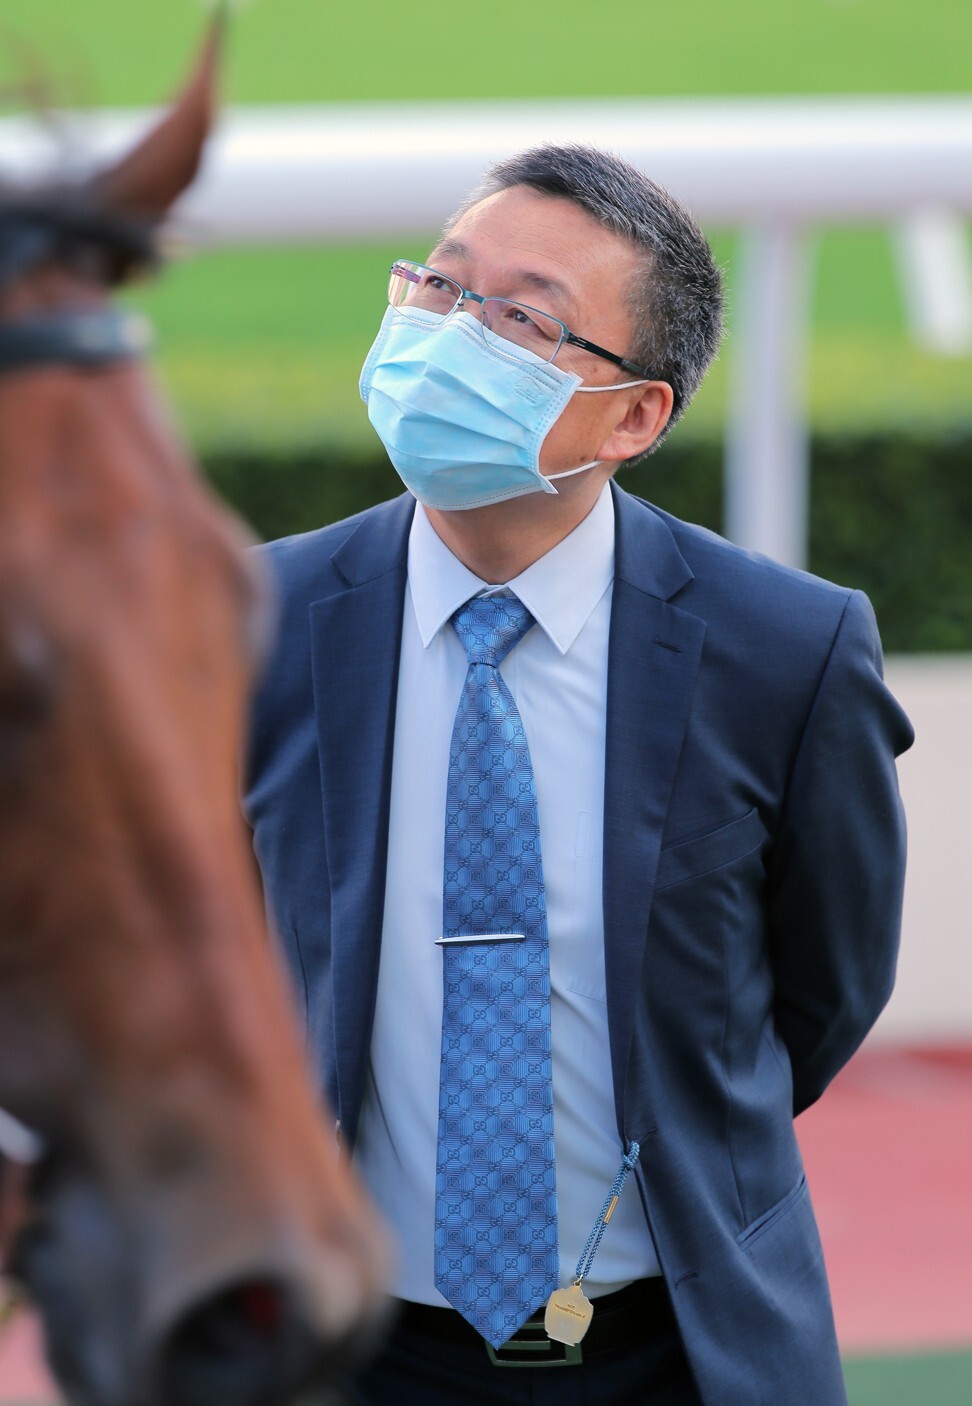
[{"x": 496, "y": 1256}]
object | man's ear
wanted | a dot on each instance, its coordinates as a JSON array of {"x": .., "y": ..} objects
[
  {"x": 643, "y": 422},
  {"x": 147, "y": 181}
]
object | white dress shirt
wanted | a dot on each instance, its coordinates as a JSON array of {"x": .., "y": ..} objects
[{"x": 558, "y": 676}]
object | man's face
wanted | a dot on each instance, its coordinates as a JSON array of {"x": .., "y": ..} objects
[{"x": 549, "y": 253}]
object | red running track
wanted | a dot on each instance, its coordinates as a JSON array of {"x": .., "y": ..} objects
[{"x": 889, "y": 1157}]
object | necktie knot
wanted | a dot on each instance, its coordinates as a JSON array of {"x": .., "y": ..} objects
[{"x": 489, "y": 626}]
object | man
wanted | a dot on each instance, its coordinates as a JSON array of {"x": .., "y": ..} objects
[{"x": 581, "y": 831}]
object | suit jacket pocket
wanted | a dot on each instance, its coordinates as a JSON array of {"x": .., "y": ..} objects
[
  {"x": 690, "y": 858},
  {"x": 748, "y": 1237}
]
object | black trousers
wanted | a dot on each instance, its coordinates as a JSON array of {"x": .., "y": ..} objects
[{"x": 422, "y": 1368}]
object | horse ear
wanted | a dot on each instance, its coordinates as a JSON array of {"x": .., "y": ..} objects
[{"x": 154, "y": 174}]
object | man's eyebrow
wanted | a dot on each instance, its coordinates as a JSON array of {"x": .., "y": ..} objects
[
  {"x": 456, "y": 249},
  {"x": 450, "y": 246}
]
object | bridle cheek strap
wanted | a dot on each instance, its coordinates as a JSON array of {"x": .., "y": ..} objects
[
  {"x": 20, "y": 1149},
  {"x": 18, "y": 1143},
  {"x": 13, "y": 1213}
]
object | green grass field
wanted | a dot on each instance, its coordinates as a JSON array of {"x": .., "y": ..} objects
[
  {"x": 932, "y": 1379},
  {"x": 265, "y": 347},
  {"x": 311, "y": 50}
]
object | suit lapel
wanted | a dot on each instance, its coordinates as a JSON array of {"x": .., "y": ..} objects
[
  {"x": 654, "y": 654},
  {"x": 355, "y": 642}
]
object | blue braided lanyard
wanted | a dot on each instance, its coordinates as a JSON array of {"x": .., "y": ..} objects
[{"x": 629, "y": 1162}]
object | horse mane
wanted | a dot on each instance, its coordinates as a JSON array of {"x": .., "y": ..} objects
[{"x": 68, "y": 225}]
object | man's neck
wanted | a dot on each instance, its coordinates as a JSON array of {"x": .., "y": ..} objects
[{"x": 499, "y": 542}]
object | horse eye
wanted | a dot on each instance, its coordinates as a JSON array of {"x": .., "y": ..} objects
[{"x": 29, "y": 674}]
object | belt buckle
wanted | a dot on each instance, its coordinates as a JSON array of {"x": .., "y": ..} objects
[{"x": 530, "y": 1347}]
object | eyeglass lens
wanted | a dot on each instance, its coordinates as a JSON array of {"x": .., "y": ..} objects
[{"x": 413, "y": 285}]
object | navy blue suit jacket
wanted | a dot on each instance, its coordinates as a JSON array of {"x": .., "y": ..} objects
[{"x": 753, "y": 864}]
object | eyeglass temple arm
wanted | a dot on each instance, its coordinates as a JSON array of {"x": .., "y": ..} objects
[{"x": 621, "y": 361}]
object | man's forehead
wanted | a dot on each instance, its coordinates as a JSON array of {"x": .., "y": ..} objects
[
  {"x": 554, "y": 242},
  {"x": 534, "y": 217},
  {"x": 450, "y": 247}
]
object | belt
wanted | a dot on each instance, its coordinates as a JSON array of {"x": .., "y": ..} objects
[{"x": 621, "y": 1320}]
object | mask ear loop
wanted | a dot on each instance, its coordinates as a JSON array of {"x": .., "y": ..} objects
[
  {"x": 569, "y": 473},
  {"x": 592, "y": 390},
  {"x": 621, "y": 386}
]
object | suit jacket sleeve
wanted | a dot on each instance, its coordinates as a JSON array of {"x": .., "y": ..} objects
[{"x": 837, "y": 870}]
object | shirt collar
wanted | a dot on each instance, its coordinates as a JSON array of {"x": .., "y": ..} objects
[{"x": 560, "y": 590}]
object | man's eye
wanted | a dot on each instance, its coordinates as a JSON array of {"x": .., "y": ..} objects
[
  {"x": 520, "y": 316},
  {"x": 437, "y": 284},
  {"x": 536, "y": 325}
]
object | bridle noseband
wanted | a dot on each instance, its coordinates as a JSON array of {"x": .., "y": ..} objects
[{"x": 92, "y": 337}]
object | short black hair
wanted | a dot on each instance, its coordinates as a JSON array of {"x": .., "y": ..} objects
[{"x": 677, "y": 303}]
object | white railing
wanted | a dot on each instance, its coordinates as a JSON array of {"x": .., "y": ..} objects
[{"x": 774, "y": 168}]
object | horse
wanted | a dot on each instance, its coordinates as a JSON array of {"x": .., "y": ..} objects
[{"x": 175, "y": 1204}]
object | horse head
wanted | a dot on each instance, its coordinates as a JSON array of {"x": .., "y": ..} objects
[{"x": 188, "y": 1229}]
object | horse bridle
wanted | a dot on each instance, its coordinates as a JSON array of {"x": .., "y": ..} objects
[{"x": 66, "y": 228}]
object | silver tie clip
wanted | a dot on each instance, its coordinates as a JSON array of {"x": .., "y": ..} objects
[{"x": 480, "y": 937}]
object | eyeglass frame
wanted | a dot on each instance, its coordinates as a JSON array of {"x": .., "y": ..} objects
[{"x": 571, "y": 338}]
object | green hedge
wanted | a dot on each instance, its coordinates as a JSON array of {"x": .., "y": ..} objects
[{"x": 892, "y": 516}]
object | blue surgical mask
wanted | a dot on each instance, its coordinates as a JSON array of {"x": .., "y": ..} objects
[{"x": 461, "y": 414}]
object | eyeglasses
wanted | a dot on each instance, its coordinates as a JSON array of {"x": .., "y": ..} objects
[{"x": 412, "y": 285}]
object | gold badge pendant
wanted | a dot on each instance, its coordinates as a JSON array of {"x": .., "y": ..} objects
[
  {"x": 568, "y": 1315},
  {"x": 569, "y": 1311}
]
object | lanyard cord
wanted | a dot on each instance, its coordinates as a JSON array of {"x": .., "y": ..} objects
[{"x": 629, "y": 1162}]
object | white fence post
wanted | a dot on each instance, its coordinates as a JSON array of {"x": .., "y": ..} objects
[
  {"x": 766, "y": 467},
  {"x": 933, "y": 255}
]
